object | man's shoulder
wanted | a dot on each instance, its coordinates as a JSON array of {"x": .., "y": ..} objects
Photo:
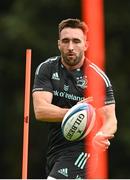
[
  {"x": 99, "y": 72},
  {"x": 94, "y": 67},
  {"x": 48, "y": 63},
  {"x": 51, "y": 60}
]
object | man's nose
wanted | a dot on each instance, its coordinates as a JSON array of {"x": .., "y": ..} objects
[{"x": 70, "y": 46}]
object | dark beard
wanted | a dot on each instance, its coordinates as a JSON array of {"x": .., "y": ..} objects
[{"x": 71, "y": 62}]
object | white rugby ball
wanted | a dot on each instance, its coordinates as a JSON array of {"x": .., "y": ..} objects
[{"x": 78, "y": 122}]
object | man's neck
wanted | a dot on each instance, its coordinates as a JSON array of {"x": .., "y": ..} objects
[{"x": 71, "y": 68}]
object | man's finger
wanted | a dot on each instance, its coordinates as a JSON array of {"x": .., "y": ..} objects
[{"x": 104, "y": 135}]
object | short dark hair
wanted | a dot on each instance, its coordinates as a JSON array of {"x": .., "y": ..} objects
[{"x": 73, "y": 23}]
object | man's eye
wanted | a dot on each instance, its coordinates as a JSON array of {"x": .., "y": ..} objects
[
  {"x": 65, "y": 41},
  {"x": 76, "y": 41}
]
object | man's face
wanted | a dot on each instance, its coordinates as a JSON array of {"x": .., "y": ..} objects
[{"x": 72, "y": 45}]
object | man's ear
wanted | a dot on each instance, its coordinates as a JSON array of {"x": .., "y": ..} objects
[
  {"x": 59, "y": 44},
  {"x": 86, "y": 45}
]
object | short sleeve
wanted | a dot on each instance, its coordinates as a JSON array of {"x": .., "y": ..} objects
[
  {"x": 42, "y": 80},
  {"x": 102, "y": 90}
]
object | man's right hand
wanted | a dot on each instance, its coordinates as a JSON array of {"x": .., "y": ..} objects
[{"x": 101, "y": 141}]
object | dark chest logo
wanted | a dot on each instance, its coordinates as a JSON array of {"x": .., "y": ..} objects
[{"x": 82, "y": 82}]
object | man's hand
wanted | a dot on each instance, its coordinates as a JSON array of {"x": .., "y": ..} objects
[{"x": 101, "y": 141}]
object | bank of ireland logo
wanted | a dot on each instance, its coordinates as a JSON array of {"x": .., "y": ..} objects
[
  {"x": 66, "y": 87},
  {"x": 82, "y": 82}
]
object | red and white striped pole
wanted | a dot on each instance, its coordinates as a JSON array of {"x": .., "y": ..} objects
[{"x": 26, "y": 114}]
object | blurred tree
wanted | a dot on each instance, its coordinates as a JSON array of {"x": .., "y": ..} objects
[
  {"x": 26, "y": 24},
  {"x": 117, "y": 55}
]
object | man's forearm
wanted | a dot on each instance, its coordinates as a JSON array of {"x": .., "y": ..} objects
[
  {"x": 50, "y": 113},
  {"x": 109, "y": 119}
]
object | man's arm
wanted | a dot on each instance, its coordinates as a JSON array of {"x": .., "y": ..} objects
[
  {"x": 109, "y": 119},
  {"x": 44, "y": 110},
  {"x": 109, "y": 127}
]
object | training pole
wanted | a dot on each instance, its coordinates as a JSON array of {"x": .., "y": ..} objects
[
  {"x": 93, "y": 15},
  {"x": 26, "y": 113}
]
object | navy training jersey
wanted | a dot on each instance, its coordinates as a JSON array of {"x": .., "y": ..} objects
[{"x": 67, "y": 89}]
